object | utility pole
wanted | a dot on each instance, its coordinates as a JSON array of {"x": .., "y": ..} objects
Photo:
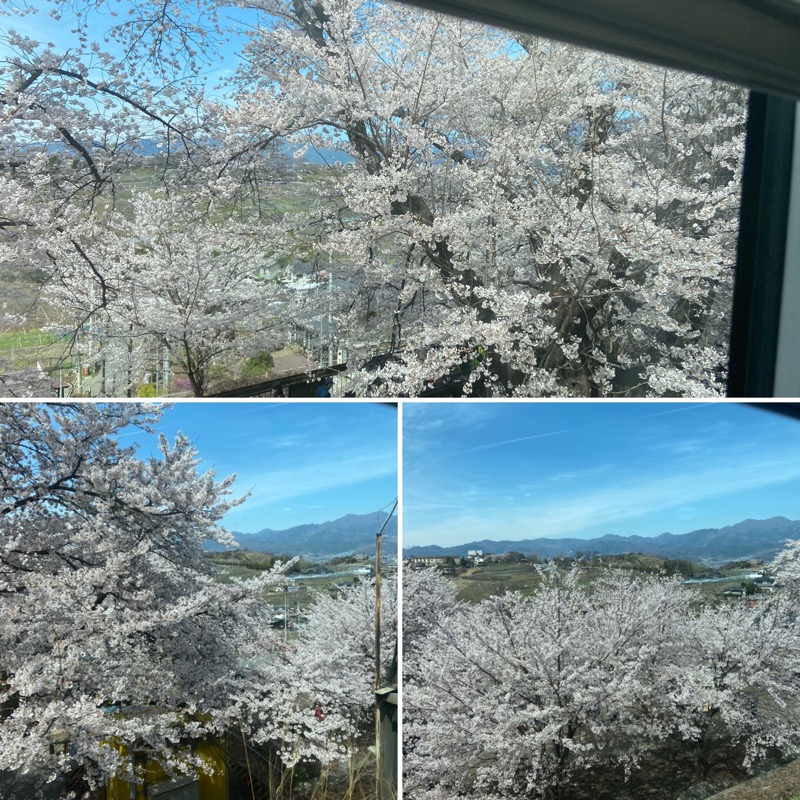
[
  {"x": 330, "y": 319},
  {"x": 378, "y": 548},
  {"x": 285, "y": 613}
]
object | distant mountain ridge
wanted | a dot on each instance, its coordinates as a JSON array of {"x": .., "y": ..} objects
[
  {"x": 140, "y": 147},
  {"x": 353, "y": 533},
  {"x": 751, "y": 538},
  {"x": 151, "y": 147}
]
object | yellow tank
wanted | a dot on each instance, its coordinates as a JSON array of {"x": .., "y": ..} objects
[{"x": 155, "y": 784}]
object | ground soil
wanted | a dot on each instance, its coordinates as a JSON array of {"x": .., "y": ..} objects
[{"x": 781, "y": 783}]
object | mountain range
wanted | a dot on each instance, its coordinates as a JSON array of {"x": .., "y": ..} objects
[
  {"x": 353, "y": 533},
  {"x": 141, "y": 147},
  {"x": 751, "y": 538}
]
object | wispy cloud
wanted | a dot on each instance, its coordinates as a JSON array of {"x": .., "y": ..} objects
[
  {"x": 514, "y": 441},
  {"x": 689, "y": 446},
  {"x": 679, "y": 410},
  {"x": 575, "y": 512},
  {"x": 278, "y": 485},
  {"x": 580, "y": 474}
]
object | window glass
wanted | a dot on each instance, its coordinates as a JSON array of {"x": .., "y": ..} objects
[{"x": 443, "y": 206}]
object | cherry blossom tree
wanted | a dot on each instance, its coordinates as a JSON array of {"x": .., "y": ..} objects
[
  {"x": 114, "y": 633},
  {"x": 76, "y": 126},
  {"x": 533, "y": 691},
  {"x": 112, "y": 188},
  {"x": 786, "y": 567},
  {"x": 731, "y": 677},
  {"x": 174, "y": 281},
  {"x": 429, "y": 599},
  {"x": 537, "y": 693},
  {"x": 321, "y": 706},
  {"x": 519, "y": 214}
]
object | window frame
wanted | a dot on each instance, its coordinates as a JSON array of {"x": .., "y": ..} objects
[{"x": 764, "y": 227}]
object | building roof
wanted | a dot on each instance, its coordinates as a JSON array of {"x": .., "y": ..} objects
[{"x": 30, "y": 382}]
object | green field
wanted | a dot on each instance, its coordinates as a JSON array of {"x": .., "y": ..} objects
[
  {"x": 478, "y": 583},
  {"x": 14, "y": 340},
  {"x": 25, "y": 349}
]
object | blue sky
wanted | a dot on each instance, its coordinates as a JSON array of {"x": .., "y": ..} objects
[
  {"x": 524, "y": 470},
  {"x": 301, "y": 462}
]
